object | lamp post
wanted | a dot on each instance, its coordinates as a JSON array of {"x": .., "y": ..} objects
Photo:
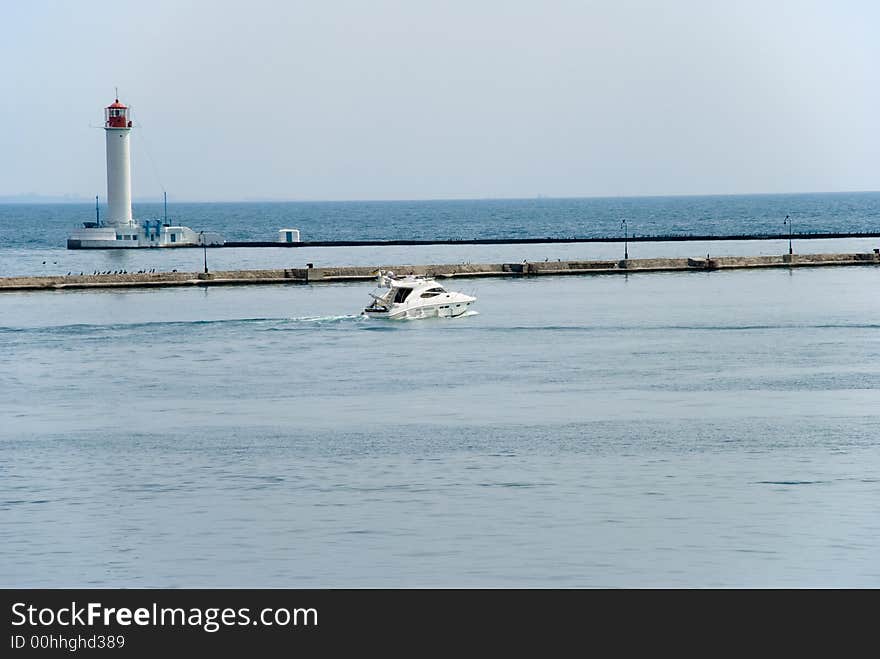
[
  {"x": 625, "y": 246},
  {"x": 205, "y": 248},
  {"x": 787, "y": 221}
]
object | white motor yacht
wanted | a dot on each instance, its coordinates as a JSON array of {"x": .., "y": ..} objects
[{"x": 415, "y": 297}]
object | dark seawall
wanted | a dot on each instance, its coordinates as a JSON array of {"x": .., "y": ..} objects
[
  {"x": 533, "y": 241},
  {"x": 513, "y": 241}
]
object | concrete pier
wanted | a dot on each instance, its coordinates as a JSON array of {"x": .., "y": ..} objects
[{"x": 456, "y": 270}]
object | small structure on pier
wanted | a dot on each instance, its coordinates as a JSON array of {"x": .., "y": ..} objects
[{"x": 288, "y": 236}]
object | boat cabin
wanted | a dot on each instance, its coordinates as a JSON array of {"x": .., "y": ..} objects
[
  {"x": 403, "y": 292},
  {"x": 433, "y": 292}
]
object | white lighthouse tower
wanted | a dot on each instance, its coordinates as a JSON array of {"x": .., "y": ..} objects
[
  {"x": 117, "y": 127},
  {"x": 119, "y": 230}
]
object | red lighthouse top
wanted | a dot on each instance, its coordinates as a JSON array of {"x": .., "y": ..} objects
[{"x": 116, "y": 116}]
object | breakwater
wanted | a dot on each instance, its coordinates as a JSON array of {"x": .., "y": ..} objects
[
  {"x": 551, "y": 240},
  {"x": 509, "y": 241},
  {"x": 310, "y": 275}
]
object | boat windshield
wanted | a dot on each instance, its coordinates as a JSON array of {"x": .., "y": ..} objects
[{"x": 401, "y": 295}]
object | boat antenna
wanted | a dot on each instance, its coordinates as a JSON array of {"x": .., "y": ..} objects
[{"x": 165, "y": 196}]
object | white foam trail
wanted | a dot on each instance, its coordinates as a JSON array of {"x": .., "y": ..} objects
[{"x": 324, "y": 319}]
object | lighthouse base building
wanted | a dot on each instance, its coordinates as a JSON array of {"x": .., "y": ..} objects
[
  {"x": 119, "y": 230},
  {"x": 146, "y": 233}
]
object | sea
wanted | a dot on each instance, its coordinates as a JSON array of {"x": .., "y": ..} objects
[{"x": 683, "y": 430}]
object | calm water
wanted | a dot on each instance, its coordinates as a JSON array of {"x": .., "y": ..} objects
[
  {"x": 696, "y": 429},
  {"x": 692, "y": 429}
]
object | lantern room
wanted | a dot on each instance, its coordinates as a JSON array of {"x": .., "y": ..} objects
[{"x": 116, "y": 116}]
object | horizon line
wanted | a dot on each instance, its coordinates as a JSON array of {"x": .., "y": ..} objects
[{"x": 71, "y": 199}]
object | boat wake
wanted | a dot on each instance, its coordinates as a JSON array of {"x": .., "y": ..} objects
[{"x": 326, "y": 319}]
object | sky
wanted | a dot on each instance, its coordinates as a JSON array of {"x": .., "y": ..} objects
[{"x": 384, "y": 99}]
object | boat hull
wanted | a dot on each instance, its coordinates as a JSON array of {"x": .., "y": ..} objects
[{"x": 446, "y": 310}]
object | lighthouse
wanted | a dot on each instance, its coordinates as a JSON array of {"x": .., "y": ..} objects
[
  {"x": 117, "y": 127},
  {"x": 119, "y": 230}
]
